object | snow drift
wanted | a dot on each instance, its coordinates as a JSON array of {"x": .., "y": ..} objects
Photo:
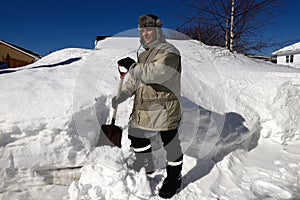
[{"x": 236, "y": 112}]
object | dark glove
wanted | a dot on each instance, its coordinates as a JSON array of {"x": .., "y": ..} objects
[
  {"x": 126, "y": 62},
  {"x": 115, "y": 101}
]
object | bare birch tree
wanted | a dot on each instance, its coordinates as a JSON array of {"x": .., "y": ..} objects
[
  {"x": 241, "y": 22},
  {"x": 232, "y": 26}
]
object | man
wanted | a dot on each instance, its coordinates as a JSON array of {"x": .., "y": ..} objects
[{"x": 155, "y": 83}]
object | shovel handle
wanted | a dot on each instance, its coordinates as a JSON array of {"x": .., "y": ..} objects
[
  {"x": 122, "y": 74},
  {"x": 118, "y": 95}
]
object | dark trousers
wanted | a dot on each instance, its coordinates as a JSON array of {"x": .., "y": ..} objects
[{"x": 170, "y": 139}]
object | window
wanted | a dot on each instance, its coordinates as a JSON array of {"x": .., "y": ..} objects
[{"x": 291, "y": 58}]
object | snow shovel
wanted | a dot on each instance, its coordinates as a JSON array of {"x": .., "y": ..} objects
[{"x": 111, "y": 134}]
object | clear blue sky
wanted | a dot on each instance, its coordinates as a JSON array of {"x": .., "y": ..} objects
[{"x": 46, "y": 26}]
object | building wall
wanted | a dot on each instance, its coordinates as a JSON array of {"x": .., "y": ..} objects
[
  {"x": 281, "y": 60},
  {"x": 296, "y": 61},
  {"x": 16, "y": 58}
]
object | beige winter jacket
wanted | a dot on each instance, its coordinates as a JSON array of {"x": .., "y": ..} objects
[{"x": 155, "y": 82}]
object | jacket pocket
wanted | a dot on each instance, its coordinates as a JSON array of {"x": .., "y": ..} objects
[{"x": 154, "y": 118}]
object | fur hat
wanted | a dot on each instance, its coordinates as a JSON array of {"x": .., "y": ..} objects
[{"x": 149, "y": 21}]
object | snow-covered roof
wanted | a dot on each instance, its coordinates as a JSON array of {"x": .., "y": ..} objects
[
  {"x": 25, "y": 51},
  {"x": 292, "y": 49}
]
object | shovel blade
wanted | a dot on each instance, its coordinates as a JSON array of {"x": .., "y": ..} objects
[{"x": 110, "y": 135}]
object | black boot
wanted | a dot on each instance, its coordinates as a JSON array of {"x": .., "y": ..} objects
[{"x": 172, "y": 182}]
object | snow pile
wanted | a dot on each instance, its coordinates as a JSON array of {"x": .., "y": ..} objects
[
  {"x": 36, "y": 116},
  {"x": 236, "y": 112},
  {"x": 110, "y": 179}
]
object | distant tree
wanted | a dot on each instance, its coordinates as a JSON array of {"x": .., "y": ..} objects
[{"x": 235, "y": 24}]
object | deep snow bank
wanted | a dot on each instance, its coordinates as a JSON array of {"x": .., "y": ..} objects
[
  {"x": 36, "y": 112},
  {"x": 51, "y": 111},
  {"x": 223, "y": 82}
]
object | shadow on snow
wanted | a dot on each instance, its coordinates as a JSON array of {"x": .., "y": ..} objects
[
  {"x": 213, "y": 136},
  {"x": 208, "y": 137}
]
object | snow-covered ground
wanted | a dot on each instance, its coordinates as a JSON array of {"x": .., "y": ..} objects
[{"x": 240, "y": 130}]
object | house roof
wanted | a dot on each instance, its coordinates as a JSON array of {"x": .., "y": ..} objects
[
  {"x": 292, "y": 49},
  {"x": 25, "y": 51}
]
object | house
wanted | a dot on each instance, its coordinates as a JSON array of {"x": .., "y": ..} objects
[
  {"x": 12, "y": 56},
  {"x": 289, "y": 55}
]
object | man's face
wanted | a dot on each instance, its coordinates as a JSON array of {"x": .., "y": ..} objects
[{"x": 148, "y": 34}]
